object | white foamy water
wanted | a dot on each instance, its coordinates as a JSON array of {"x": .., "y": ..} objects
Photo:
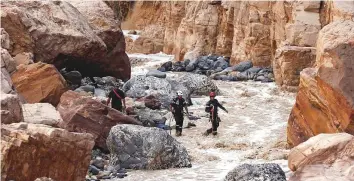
[
  {"x": 254, "y": 131},
  {"x": 154, "y": 60},
  {"x": 133, "y": 37}
]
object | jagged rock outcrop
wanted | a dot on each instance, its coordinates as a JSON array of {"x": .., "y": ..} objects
[
  {"x": 30, "y": 151},
  {"x": 39, "y": 82},
  {"x": 11, "y": 110},
  {"x": 325, "y": 101},
  {"x": 86, "y": 115},
  {"x": 57, "y": 33},
  {"x": 138, "y": 147},
  {"x": 325, "y": 157}
]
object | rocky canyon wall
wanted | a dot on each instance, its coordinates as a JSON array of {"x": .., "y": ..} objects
[{"x": 280, "y": 34}]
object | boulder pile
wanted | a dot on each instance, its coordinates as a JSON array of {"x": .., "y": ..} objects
[{"x": 219, "y": 68}]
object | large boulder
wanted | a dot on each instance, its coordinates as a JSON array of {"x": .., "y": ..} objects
[
  {"x": 325, "y": 101},
  {"x": 324, "y": 157},
  {"x": 256, "y": 172},
  {"x": 30, "y": 151},
  {"x": 11, "y": 111},
  {"x": 165, "y": 89},
  {"x": 41, "y": 113},
  {"x": 80, "y": 36},
  {"x": 39, "y": 82},
  {"x": 140, "y": 147},
  {"x": 86, "y": 115}
]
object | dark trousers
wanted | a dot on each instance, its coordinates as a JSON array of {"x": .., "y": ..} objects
[
  {"x": 214, "y": 123},
  {"x": 118, "y": 108},
  {"x": 179, "y": 122}
]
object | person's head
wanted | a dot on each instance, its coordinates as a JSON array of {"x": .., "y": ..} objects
[
  {"x": 212, "y": 95},
  {"x": 179, "y": 94}
]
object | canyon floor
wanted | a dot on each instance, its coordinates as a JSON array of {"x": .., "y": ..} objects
[{"x": 254, "y": 130}]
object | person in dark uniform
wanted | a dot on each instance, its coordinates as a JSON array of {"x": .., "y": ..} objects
[
  {"x": 118, "y": 97},
  {"x": 212, "y": 107},
  {"x": 176, "y": 107}
]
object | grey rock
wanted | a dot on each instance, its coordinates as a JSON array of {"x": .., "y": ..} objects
[
  {"x": 260, "y": 78},
  {"x": 242, "y": 66},
  {"x": 73, "y": 77},
  {"x": 86, "y": 88},
  {"x": 190, "y": 67},
  {"x": 256, "y": 172},
  {"x": 156, "y": 73},
  {"x": 98, "y": 162},
  {"x": 154, "y": 148},
  {"x": 242, "y": 76},
  {"x": 94, "y": 170},
  {"x": 220, "y": 63},
  {"x": 167, "y": 66},
  {"x": 254, "y": 69}
]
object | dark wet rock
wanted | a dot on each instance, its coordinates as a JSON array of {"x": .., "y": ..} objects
[
  {"x": 254, "y": 69},
  {"x": 256, "y": 172},
  {"x": 220, "y": 63},
  {"x": 156, "y": 73},
  {"x": 72, "y": 77},
  {"x": 213, "y": 57},
  {"x": 242, "y": 66},
  {"x": 98, "y": 162},
  {"x": 167, "y": 66},
  {"x": 94, "y": 170},
  {"x": 86, "y": 88},
  {"x": 140, "y": 147},
  {"x": 190, "y": 67}
]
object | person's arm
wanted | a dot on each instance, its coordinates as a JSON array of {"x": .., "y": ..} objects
[{"x": 222, "y": 107}]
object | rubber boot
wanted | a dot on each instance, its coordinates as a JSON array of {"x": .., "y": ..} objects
[
  {"x": 207, "y": 132},
  {"x": 215, "y": 133}
]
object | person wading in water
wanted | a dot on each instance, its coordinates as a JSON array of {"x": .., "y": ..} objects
[
  {"x": 212, "y": 108},
  {"x": 176, "y": 108},
  {"x": 117, "y": 97}
]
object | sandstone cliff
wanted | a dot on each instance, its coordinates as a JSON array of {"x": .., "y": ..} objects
[{"x": 280, "y": 34}]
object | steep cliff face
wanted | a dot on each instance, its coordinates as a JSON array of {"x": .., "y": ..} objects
[{"x": 325, "y": 101}]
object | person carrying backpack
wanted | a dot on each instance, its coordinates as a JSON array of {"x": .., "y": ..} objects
[
  {"x": 117, "y": 97},
  {"x": 212, "y": 107},
  {"x": 176, "y": 108}
]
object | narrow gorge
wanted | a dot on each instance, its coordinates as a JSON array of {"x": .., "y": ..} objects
[{"x": 284, "y": 70}]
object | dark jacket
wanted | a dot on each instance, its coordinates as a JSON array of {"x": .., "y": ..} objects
[
  {"x": 213, "y": 103},
  {"x": 178, "y": 105}
]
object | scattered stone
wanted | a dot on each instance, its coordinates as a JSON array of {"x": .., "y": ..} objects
[
  {"x": 156, "y": 73},
  {"x": 243, "y": 66},
  {"x": 140, "y": 147},
  {"x": 256, "y": 172},
  {"x": 86, "y": 88}
]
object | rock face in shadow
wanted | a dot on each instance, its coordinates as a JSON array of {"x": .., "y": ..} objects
[
  {"x": 138, "y": 147},
  {"x": 325, "y": 101},
  {"x": 38, "y": 150},
  {"x": 86, "y": 115},
  {"x": 324, "y": 157},
  {"x": 58, "y": 33}
]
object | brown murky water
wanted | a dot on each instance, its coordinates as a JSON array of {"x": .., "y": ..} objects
[{"x": 254, "y": 131}]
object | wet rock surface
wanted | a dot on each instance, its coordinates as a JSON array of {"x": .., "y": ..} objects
[{"x": 256, "y": 172}]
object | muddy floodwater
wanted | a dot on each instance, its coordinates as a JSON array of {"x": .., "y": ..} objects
[{"x": 254, "y": 131}]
